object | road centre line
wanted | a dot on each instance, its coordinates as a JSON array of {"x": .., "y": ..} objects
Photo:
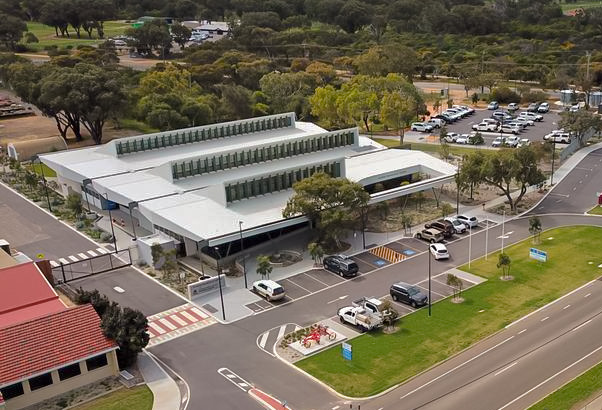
[
  {"x": 581, "y": 325},
  {"x": 457, "y": 367},
  {"x": 587, "y": 295},
  {"x": 550, "y": 378},
  {"x": 566, "y": 307},
  {"x": 522, "y": 331},
  {"x": 505, "y": 368},
  {"x": 544, "y": 319}
]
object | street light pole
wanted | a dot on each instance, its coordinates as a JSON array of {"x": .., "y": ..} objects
[
  {"x": 486, "y": 236},
  {"x": 429, "y": 281},
  {"x": 242, "y": 248},
  {"x": 219, "y": 281},
  {"x": 111, "y": 220},
  {"x": 553, "y": 155},
  {"x": 503, "y": 225},
  {"x": 469, "y": 244}
]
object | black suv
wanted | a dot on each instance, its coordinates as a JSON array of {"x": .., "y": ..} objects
[
  {"x": 406, "y": 293},
  {"x": 341, "y": 265},
  {"x": 443, "y": 226}
]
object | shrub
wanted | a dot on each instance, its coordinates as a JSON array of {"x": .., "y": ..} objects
[
  {"x": 106, "y": 237},
  {"x": 534, "y": 96},
  {"x": 79, "y": 225},
  {"x": 505, "y": 95}
]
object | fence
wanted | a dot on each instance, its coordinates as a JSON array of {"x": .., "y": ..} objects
[
  {"x": 65, "y": 273},
  {"x": 575, "y": 145}
]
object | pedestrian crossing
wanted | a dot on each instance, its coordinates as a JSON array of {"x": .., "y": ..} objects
[
  {"x": 176, "y": 322},
  {"x": 82, "y": 256},
  {"x": 388, "y": 254},
  {"x": 268, "y": 339}
]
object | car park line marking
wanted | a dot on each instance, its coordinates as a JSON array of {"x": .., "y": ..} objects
[
  {"x": 442, "y": 283},
  {"x": 581, "y": 325},
  {"x": 317, "y": 280},
  {"x": 457, "y": 367},
  {"x": 522, "y": 331},
  {"x": 550, "y": 378},
  {"x": 432, "y": 291},
  {"x": 505, "y": 368},
  {"x": 363, "y": 260},
  {"x": 544, "y": 319},
  {"x": 566, "y": 307},
  {"x": 403, "y": 306},
  {"x": 564, "y": 195},
  {"x": 335, "y": 407},
  {"x": 299, "y": 286}
]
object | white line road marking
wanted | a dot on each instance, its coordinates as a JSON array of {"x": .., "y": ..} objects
[
  {"x": 199, "y": 312},
  {"x": 566, "y": 307},
  {"x": 92, "y": 253},
  {"x": 299, "y": 286},
  {"x": 337, "y": 299},
  {"x": 177, "y": 319},
  {"x": 544, "y": 319},
  {"x": 335, "y": 407},
  {"x": 281, "y": 332},
  {"x": 550, "y": 378},
  {"x": 156, "y": 327},
  {"x": 587, "y": 295},
  {"x": 63, "y": 261},
  {"x": 505, "y": 368},
  {"x": 432, "y": 291},
  {"x": 167, "y": 323},
  {"x": 317, "y": 280},
  {"x": 230, "y": 375},
  {"x": 243, "y": 384},
  {"x": 264, "y": 339},
  {"x": 457, "y": 367},
  {"x": 54, "y": 264},
  {"x": 82, "y": 255},
  {"x": 581, "y": 325},
  {"x": 189, "y": 316},
  {"x": 522, "y": 331},
  {"x": 73, "y": 258},
  {"x": 564, "y": 195},
  {"x": 102, "y": 251}
]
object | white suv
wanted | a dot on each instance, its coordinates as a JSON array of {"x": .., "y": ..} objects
[
  {"x": 269, "y": 289},
  {"x": 421, "y": 126},
  {"x": 531, "y": 116}
]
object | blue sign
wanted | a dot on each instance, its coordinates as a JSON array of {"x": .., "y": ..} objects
[
  {"x": 347, "y": 354},
  {"x": 538, "y": 255},
  {"x": 380, "y": 262},
  {"x": 408, "y": 252}
]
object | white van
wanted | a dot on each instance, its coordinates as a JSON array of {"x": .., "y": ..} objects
[{"x": 269, "y": 289}]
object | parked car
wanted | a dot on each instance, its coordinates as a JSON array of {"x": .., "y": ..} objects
[
  {"x": 533, "y": 107},
  {"x": 523, "y": 143},
  {"x": 446, "y": 118},
  {"x": 509, "y": 129},
  {"x": 458, "y": 225},
  {"x": 558, "y": 137},
  {"x": 451, "y": 137},
  {"x": 501, "y": 116},
  {"x": 493, "y": 105},
  {"x": 341, "y": 265},
  {"x": 520, "y": 125},
  {"x": 531, "y": 115},
  {"x": 439, "y": 251},
  {"x": 462, "y": 113},
  {"x": 525, "y": 120},
  {"x": 421, "y": 126},
  {"x": 512, "y": 141},
  {"x": 543, "y": 107},
  {"x": 455, "y": 116},
  {"x": 430, "y": 235},
  {"x": 485, "y": 126},
  {"x": 366, "y": 313},
  {"x": 574, "y": 108},
  {"x": 443, "y": 226},
  {"x": 269, "y": 289},
  {"x": 466, "y": 108},
  {"x": 498, "y": 142},
  {"x": 513, "y": 107},
  {"x": 464, "y": 139},
  {"x": 406, "y": 293},
  {"x": 435, "y": 122},
  {"x": 469, "y": 221}
]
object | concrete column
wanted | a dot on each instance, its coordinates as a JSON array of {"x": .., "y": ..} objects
[
  {"x": 26, "y": 388},
  {"x": 82, "y": 367},
  {"x": 55, "y": 377}
]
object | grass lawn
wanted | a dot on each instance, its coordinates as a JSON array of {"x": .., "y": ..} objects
[
  {"x": 597, "y": 210},
  {"x": 430, "y": 148},
  {"x": 381, "y": 361},
  {"x": 133, "y": 124},
  {"x": 48, "y": 172},
  {"x": 136, "y": 398},
  {"x": 47, "y": 36},
  {"x": 573, "y": 392},
  {"x": 580, "y": 4}
]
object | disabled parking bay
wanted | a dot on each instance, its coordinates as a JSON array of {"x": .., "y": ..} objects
[{"x": 367, "y": 261}]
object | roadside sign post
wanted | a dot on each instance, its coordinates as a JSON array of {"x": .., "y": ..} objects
[
  {"x": 538, "y": 255},
  {"x": 347, "y": 351}
]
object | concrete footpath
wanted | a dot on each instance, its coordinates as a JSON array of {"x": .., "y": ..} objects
[{"x": 166, "y": 394}]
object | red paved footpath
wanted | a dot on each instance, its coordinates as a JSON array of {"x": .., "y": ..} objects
[{"x": 267, "y": 401}]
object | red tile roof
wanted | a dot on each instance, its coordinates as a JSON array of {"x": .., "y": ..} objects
[
  {"x": 25, "y": 294},
  {"x": 50, "y": 341}
]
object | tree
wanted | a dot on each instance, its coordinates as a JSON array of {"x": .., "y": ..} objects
[
  {"x": 504, "y": 262},
  {"x": 181, "y": 34},
  {"x": 157, "y": 255},
  {"x": 442, "y": 133},
  {"x": 152, "y": 36},
  {"x": 475, "y": 98},
  {"x": 11, "y": 30},
  {"x": 328, "y": 202},
  {"x": 446, "y": 209},
  {"x": 31, "y": 179},
  {"x": 470, "y": 174},
  {"x": 535, "y": 228},
  {"x": 324, "y": 105},
  {"x": 397, "y": 111},
  {"x": 289, "y": 91},
  {"x": 316, "y": 252},
  {"x": 74, "y": 204},
  {"x": 390, "y": 314},
  {"x": 264, "y": 267},
  {"x": 170, "y": 264},
  {"x": 456, "y": 284},
  {"x": 582, "y": 124},
  {"x": 444, "y": 150}
]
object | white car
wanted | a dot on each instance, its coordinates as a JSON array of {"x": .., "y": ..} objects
[
  {"x": 543, "y": 107},
  {"x": 470, "y": 221},
  {"x": 561, "y": 137},
  {"x": 507, "y": 128},
  {"x": 421, "y": 126},
  {"x": 439, "y": 251},
  {"x": 464, "y": 139},
  {"x": 269, "y": 289},
  {"x": 498, "y": 141},
  {"x": 574, "y": 108},
  {"x": 436, "y": 122},
  {"x": 523, "y": 143},
  {"x": 485, "y": 126},
  {"x": 531, "y": 115},
  {"x": 513, "y": 107},
  {"x": 451, "y": 137},
  {"x": 512, "y": 141},
  {"x": 493, "y": 105},
  {"x": 459, "y": 227},
  {"x": 524, "y": 120}
]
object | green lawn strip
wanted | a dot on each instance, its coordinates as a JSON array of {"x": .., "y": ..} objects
[
  {"x": 582, "y": 5},
  {"x": 381, "y": 361},
  {"x": 48, "y": 172},
  {"x": 47, "y": 37},
  {"x": 432, "y": 148},
  {"x": 597, "y": 210},
  {"x": 575, "y": 391},
  {"x": 136, "y": 398}
]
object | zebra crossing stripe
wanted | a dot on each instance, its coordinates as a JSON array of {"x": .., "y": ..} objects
[
  {"x": 199, "y": 312},
  {"x": 92, "y": 253},
  {"x": 189, "y": 316},
  {"x": 175, "y": 318},
  {"x": 73, "y": 258},
  {"x": 264, "y": 339},
  {"x": 167, "y": 324},
  {"x": 54, "y": 264},
  {"x": 156, "y": 328},
  {"x": 281, "y": 332},
  {"x": 82, "y": 255},
  {"x": 102, "y": 251},
  {"x": 63, "y": 261}
]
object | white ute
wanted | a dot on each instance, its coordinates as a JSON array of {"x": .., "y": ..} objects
[{"x": 366, "y": 313}]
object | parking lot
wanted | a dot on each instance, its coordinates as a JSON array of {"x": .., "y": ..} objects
[{"x": 315, "y": 280}]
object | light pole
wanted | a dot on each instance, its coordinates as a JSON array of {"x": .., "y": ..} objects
[
  {"x": 111, "y": 220},
  {"x": 242, "y": 248},
  {"x": 486, "y": 236},
  {"x": 429, "y": 280},
  {"x": 503, "y": 225},
  {"x": 469, "y": 244},
  {"x": 553, "y": 155},
  {"x": 219, "y": 281},
  {"x": 130, "y": 206}
]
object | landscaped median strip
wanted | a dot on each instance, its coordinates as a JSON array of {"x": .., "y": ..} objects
[{"x": 381, "y": 361}]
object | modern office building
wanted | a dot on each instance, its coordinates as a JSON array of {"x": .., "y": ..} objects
[{"x": 206, "y": 186}]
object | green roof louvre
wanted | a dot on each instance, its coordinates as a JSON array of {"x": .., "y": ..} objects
[{"x": 288, "y": 121}]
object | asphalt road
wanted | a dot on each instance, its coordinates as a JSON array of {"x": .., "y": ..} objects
[{"x": 32, "y": 231}]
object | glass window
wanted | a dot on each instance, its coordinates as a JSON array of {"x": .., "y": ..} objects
[
  {"x": 264, "y": 186},
  {"x": 12, "y": 391},
  {"x": 40, "y": 381},
  {"x": 96, "y": 362},
  {"x": 337, "y": 169},
  {"x": 68, "y": 372}
]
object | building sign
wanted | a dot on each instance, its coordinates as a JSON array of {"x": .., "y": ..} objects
[
  {"x": 347, "y": 355},
  {"x": 538, "y": 255}
]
